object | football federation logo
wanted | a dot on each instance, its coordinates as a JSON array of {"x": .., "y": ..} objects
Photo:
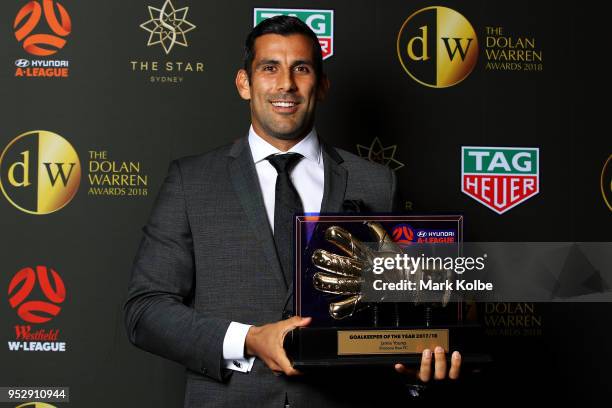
[
  {"x": 437, "y": 47},
  {"x": 500, "y": 177},
  {"x": 167, "y": 26},
  {"x": 28, "y": 19},
  {"x": 403, "y": 234},
  {"x": 36, "y": 311},
  {"x": 319, "y": 21}
]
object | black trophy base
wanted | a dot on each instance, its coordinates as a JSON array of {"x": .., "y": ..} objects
[{"x": 311, "y": 348}]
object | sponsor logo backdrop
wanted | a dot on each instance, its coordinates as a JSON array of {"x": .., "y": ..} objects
[{"x": 483, "y": 109}]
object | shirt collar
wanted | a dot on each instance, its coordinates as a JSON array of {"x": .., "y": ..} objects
[{"x": 309, "y": 147}]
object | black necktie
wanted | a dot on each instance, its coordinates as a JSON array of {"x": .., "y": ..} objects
[{"x": 286, "y": 204}]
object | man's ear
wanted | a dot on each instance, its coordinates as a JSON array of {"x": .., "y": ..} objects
[
  {"x": 322, "y": 87},
  {"x": 243, "y": 85}
]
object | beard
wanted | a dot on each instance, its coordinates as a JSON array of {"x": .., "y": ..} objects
[
  {"x": 280, "y": 129},
  {"x": 295, "y": 132}
]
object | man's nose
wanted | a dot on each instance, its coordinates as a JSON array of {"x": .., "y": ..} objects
[{"x": 286, "y": 82}]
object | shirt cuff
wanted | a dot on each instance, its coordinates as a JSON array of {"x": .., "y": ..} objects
[{"x": 233, "y": 348}]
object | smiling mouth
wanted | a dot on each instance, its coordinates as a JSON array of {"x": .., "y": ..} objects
[{"x": 285, "y": 106}]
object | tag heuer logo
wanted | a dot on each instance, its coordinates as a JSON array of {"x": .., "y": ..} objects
[
  {"x": 320, "y": 21},
  {"x": 500, "y": 177}
]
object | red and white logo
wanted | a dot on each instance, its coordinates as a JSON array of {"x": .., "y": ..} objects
[
  {"x": 36, "y": 310},
  {"x": 403, "y": 234},
  {"x": 500, "y": 177}
]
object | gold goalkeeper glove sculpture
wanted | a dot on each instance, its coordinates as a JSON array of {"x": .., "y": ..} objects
[{"x": 344, "y": 275}]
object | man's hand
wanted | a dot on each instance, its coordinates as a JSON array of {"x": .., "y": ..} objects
[
  {"x": 266, "y": 343},
  {"x": 439, "y": 359}
]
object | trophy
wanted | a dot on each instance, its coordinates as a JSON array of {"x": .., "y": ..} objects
[{"x": 338, "y": 265}]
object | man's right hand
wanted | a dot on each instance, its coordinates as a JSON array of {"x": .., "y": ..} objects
[{"x": 266, "y": 343}]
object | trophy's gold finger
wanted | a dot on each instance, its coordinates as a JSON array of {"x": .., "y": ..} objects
[
  {"x": 347, "y": 307},
  {"x": 383, "y": 237},
  {"x": 335, "y": 284},
  {"x": 344, "y": 240},
  {"x": 337, "y": 264}
]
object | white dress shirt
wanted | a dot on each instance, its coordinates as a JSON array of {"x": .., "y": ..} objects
[{"x": 307, "y": 176}]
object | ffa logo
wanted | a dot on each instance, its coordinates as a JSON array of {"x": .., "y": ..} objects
[
  {"x": 403, "y": 234},
  {"x": 28, "y": 19},
  {"x": 36, "y": 311},
  {"x": 319, "y": 21},
  {"x": 500, "y": 177}
]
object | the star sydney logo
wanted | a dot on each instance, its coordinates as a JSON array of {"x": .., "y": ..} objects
[
  {"x": 167, "y": 26},
  {"x": 377, "y": 153}
]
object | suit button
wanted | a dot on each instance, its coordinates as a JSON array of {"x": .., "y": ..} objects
[{"x": 204, "y": 370}]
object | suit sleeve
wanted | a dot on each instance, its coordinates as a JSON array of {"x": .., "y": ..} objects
[{"x": 157, "y": 315}]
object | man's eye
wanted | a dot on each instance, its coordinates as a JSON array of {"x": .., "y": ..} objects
[
  {"x": 302, "y": 68},
  {"x": 269, "y": 68}
]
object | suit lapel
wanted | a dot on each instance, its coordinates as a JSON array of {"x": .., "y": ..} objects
[
  {"x": 335, "y": 177},
  {"x": 246, "y": 185}
]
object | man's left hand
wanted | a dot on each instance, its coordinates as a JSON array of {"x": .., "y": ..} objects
[{"x": 440, "y": 366}]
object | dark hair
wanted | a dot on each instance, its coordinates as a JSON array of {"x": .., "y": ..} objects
[{"x": 282, "y": 25}]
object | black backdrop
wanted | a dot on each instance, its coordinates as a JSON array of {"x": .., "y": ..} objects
[{"x": 106, "y": 105}]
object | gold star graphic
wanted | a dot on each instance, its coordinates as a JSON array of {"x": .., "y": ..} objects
[
  {"x": 167, "y": 26},
  {"x": 379, "y": 154}
]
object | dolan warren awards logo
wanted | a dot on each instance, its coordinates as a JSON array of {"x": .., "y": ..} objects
[
  {"x": 437, "y": 47},
  {"x": 40, "y": 172}
]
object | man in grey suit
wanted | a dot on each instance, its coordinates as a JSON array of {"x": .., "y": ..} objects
[{"x": 211, "y": 284}]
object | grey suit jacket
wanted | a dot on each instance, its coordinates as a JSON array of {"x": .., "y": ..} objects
[{"x": 207, "y": 258}]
